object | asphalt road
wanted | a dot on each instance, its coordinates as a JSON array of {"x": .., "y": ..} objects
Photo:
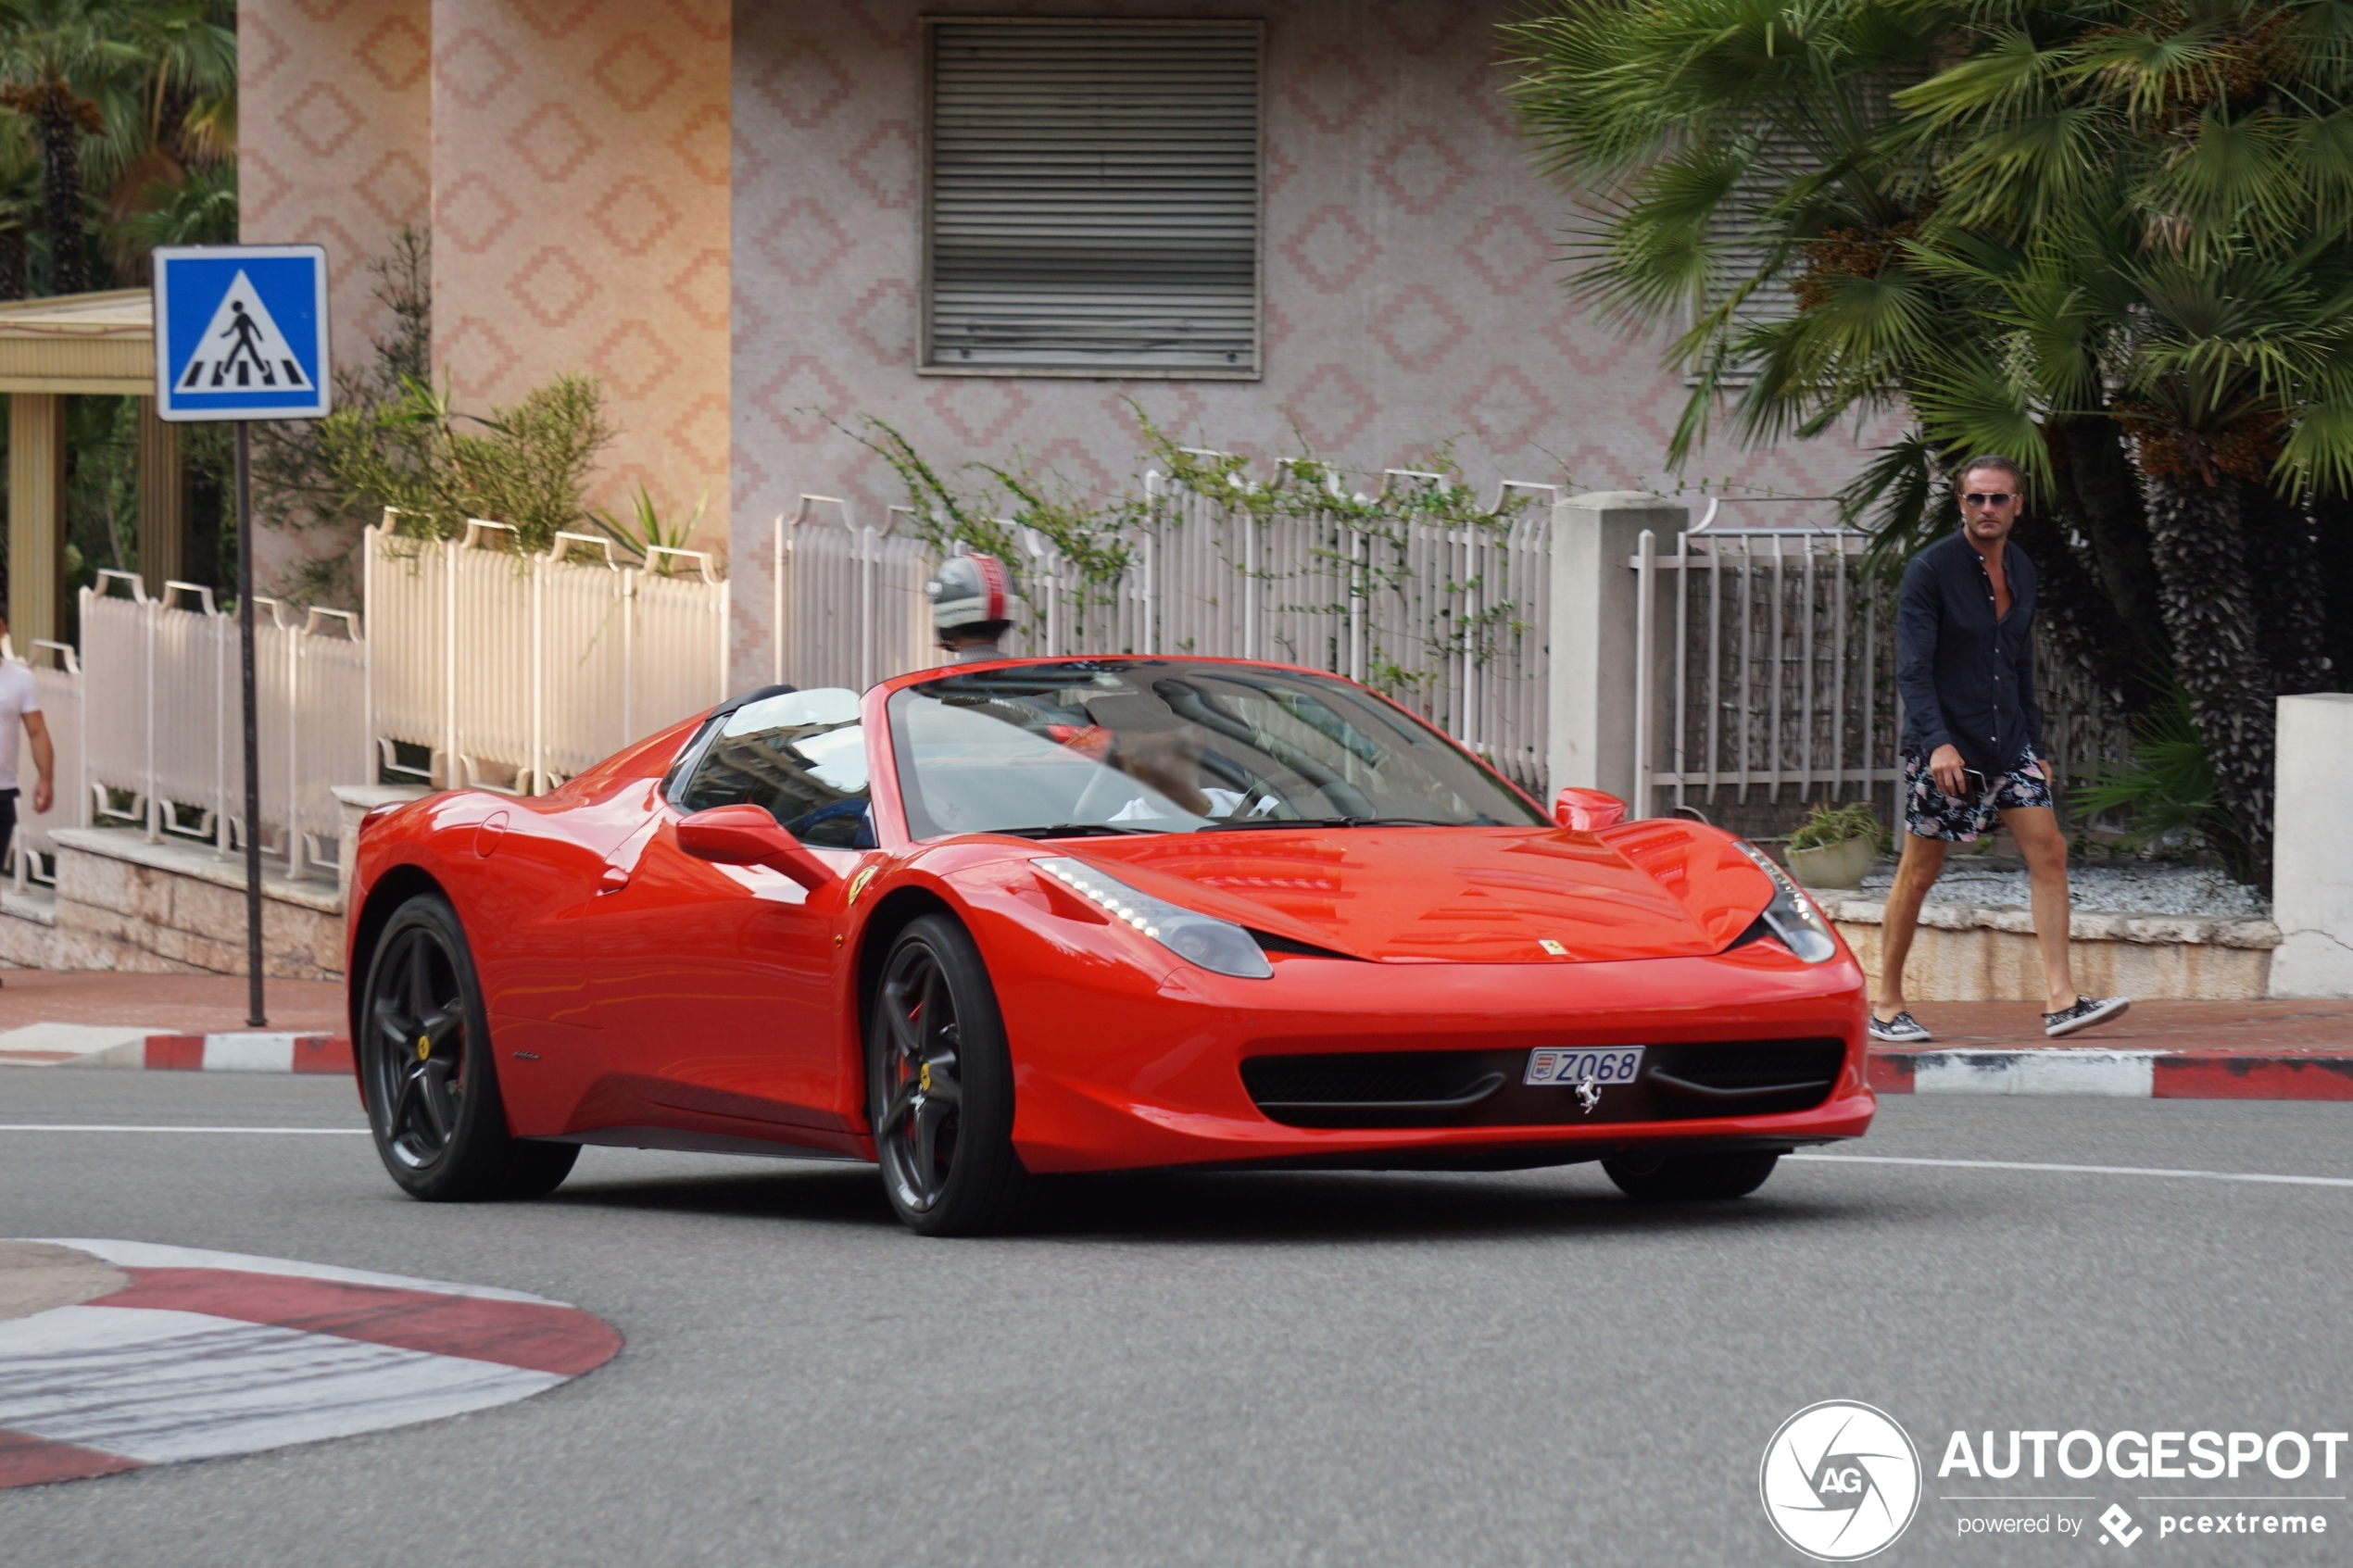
[{"x": 1237, "y": 1369}]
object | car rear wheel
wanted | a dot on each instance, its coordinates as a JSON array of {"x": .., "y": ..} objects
[
  {"x": 1689, "y": 1177},
  {"x": 940, "y": 1086},
  {"x": 427, "y": 1073}
]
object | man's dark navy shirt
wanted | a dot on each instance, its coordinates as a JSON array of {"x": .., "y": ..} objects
[{"x": 1968, "y": 674}]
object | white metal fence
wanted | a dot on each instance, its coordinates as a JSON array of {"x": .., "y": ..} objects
[
  {"x": 1765, "y": 663},
  {"x": 1449, "y": 620},
  {"x": 515, "y": 671},
  {"x": 147, "y": 722},
  {"x": 481, "y": 665}
]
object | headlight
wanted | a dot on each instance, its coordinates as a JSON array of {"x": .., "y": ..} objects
[
  {"x": 1211, "y": 942},
  {"x": 1792, "y": 914}
]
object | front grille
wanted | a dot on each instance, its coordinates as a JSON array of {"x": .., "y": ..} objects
[
  {"x": 1483, "y": 1088},
  {"x": 1367, "y": 1077}
]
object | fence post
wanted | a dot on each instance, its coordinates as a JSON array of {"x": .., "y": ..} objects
[
  {"x": 298, "y": 647},
  {"x": 448, "y": 779},
  {"x": 2313, "y": 868},
  {"x": 1599, "y": 664},
  {"x": 539, "y": 674}
]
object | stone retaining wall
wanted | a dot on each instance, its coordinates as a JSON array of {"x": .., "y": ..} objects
[
  {"x": 1967, "y": 954},
  {"x": 123, "y": 903}
]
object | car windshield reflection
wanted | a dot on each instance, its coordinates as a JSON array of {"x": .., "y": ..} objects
[{"x": 1173, "y": 746}]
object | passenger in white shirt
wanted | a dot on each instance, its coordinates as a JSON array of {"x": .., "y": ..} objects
[{"x": 20, "y": 703}]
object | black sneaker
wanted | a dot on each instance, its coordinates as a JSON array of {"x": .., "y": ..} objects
[
  {"x": 2086, "y": 1011},
  {"x": 1901, "y": 1030}
]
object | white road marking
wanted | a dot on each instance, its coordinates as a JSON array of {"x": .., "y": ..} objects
[
  {"x": 164, "y": 1386},
  {"x": 2076, "y": 1170},
  {"x": 108, "y": 1127}
]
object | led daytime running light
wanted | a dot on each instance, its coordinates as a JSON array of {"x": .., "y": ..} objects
[
  {"x": 1216, "y": 945},
  {"x": 1792, "y": 914}
]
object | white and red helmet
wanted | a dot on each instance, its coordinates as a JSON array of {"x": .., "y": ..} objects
[{"x": 972, "y": 591}]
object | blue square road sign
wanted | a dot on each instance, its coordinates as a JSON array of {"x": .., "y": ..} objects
[{"x": 241, "y": 333}]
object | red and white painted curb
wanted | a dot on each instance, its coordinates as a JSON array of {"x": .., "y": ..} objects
[
  {"x": 247, "y": 1053},
  {"x": 63, "y": 1045},
  {"x": 212, "y": 1353},
  {"x": 2147, "y": 1074}
]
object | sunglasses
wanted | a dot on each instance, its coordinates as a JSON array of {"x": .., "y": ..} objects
[{"x": 1995, "y": 498}]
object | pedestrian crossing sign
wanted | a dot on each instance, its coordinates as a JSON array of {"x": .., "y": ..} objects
[{"x": 241, "y": 333}]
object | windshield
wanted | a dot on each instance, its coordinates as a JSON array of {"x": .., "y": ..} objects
[{"x": 1171, "y": 746}]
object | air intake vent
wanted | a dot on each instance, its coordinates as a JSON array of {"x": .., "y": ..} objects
[{"x": 1484, "y": 1088}]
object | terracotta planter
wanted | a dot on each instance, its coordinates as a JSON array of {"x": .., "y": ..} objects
[{"x": 1833, "y": 865}]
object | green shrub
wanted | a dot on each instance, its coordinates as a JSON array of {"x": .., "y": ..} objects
[{"x": 1828, "y": 824}]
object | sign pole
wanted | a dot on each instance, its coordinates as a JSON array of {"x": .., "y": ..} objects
[
  {"x": 241, "y": 334},
  {"x": 256, "y": 1017}
]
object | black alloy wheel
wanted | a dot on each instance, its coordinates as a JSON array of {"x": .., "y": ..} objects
[
  {"x": 940, "y": 1084},
  {"x": 426, "y": 1069},
  {"x": 1694, "y": 1177}
]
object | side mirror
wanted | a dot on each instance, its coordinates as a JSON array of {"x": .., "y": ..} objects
[
  {"x": 1588, "y": 811},
  {"x": 746, "y": 835}
]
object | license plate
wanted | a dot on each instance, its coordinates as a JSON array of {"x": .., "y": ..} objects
[{"x": 1600, "y": 1065}]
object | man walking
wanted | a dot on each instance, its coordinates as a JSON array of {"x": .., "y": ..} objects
[{"x": 1973, "y": 741}]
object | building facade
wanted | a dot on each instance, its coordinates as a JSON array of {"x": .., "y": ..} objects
[{"x": 755, "y": 225}]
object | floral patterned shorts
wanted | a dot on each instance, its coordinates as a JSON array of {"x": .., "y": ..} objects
[{"x": 1932, "y": 813}]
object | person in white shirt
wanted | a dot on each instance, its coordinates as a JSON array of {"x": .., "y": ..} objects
[{"x": 20, "y": 706}]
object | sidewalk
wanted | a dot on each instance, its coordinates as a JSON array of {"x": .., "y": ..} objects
[
  {"x": 2296, "y": 1026},
  {"x": 2159, "y": 1051},
  {"x": 172, "y": 1003},
  {"x": 186, "y": 1021}
]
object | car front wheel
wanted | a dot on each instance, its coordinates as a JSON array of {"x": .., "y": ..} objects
[
  {"x": 1694, "y": 1176},
  {"x": 941, "y": 1086},
  {"x": 427, "y": 1073}
]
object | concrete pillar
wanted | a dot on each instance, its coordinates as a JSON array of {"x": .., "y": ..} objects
[
  {"x": 163, "y": 508},
  {"x": 1592, "y": 665},
  {"x": 2312, "y": 854},
  {"x": 36, "y": 517}
]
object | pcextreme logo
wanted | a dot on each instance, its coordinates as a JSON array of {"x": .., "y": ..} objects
[{"x": 1841, "y": 1480}]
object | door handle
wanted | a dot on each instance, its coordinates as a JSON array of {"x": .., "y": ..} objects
[{"x": 612, "y": 879}]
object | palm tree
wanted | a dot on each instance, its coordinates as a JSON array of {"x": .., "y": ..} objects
[
  {"x": 58, "y": 60},
  {"x": 19, "y": 206},
  {"x": 2109, "y": 241}
]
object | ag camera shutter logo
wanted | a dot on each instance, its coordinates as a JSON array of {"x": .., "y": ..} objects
[{"x": 1841, "y": 1480}]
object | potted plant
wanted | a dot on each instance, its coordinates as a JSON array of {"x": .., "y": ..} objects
[{"x": 1835, "y": 845}]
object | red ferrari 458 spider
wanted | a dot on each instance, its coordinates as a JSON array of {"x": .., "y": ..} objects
[{"x": 996, "y": 921}]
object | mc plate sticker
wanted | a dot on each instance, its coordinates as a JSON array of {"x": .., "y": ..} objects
[{"x": 1599, "y": 1064}]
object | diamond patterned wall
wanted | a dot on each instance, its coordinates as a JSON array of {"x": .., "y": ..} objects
[
  {"x": 580, "y": 214},
  {"x": 571, "y": 160},
  {"x": 1412, "y": 295},
  {"x": 336, "y": 143}
]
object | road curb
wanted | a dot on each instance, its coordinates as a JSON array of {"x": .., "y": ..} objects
[
  {"x": 2152, "y": 1075},
  {"x": 241, "y": 1052}
]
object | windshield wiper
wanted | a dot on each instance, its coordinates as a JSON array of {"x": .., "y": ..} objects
[{"x": 1074, "y": 830}]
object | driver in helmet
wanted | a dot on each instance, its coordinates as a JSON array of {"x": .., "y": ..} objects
[{"x": 971, "y": 606}]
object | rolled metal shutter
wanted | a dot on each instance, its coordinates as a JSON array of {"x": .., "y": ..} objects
[{"x": 1094, "y": 196}]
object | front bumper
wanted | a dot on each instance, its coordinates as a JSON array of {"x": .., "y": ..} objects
[{"x": 1124, "y": 1075}]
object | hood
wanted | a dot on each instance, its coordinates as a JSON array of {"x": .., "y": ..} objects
[{"x": 1652, "y": 889}]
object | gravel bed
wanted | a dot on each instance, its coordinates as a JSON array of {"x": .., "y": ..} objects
[{"x": 2147, "y": 889}]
